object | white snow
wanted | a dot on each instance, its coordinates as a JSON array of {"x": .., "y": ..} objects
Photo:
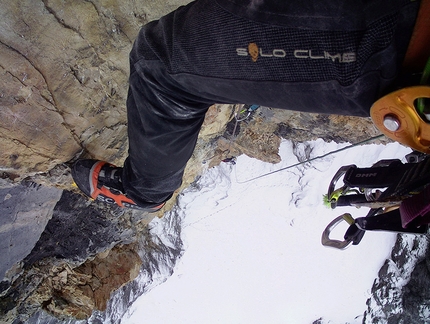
[{"x": 253, "y": 250}]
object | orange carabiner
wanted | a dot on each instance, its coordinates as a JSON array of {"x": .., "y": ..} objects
[{"x": 396, "y": 117}]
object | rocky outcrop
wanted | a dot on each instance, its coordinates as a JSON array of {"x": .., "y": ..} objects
[
  {"x": 90, "y": 263},
  {"x": 21, "y": 224},
  {"x": 401, "y": 293},
  {"x": 260, "y": 134},
  {"x": 77, "y": 292}
]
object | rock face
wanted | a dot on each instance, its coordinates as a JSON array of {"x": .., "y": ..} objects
[
  {"x": 64, "y": 67},
  {"x": 21, "y": 224},
  {"x": 401, "y": 293},
  {"x": 77, "y": 292},
  {"x": 90, "y": 263}
]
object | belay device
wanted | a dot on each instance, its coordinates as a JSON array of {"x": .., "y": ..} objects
[{"x": 401, "y": 116}]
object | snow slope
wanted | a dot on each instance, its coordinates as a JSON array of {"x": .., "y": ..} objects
[{"x": 252, "y": 247}]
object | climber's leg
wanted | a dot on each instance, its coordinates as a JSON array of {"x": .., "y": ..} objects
[{"x": 163, "y": 126}]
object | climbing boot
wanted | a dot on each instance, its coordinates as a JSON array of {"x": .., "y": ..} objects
[{"x": 103, "y": 182}]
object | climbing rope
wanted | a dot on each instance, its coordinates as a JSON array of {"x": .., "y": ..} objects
[
  {"x": 243, "y": 113},
  {"x": 312, "y": 159}
]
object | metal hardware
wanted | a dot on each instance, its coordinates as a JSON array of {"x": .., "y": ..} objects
[
  {"x": 381, "y": 187},
  {"x": 391, "y": 123},
  {"x": 327, "y": 241},
  {"x": 395, "y": 115}
]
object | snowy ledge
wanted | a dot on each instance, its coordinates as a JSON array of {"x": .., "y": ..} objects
[{"x": 252, "y": 250}]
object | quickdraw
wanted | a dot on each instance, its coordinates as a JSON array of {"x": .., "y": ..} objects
[
  {"x": 241, "y": 113},
  {"x": 382, "y": 188}
]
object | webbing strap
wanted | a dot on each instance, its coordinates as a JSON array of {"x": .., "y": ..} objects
[
  {"x": 419, "y": 48},
  {"x": 415, "y": 210}
]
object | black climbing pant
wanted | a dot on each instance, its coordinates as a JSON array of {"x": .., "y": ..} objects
[{"x": 330, "y": 57}]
